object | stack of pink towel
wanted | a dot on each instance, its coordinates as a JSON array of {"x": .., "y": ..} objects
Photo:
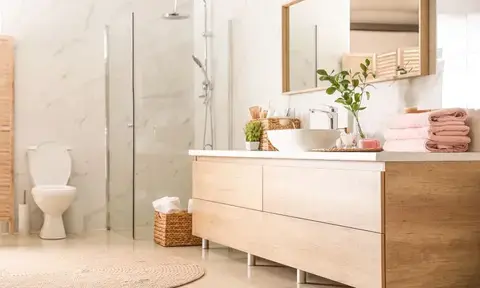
[{"x": 442, "y": 130}]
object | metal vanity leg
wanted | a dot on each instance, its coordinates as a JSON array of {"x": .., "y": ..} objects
[
  {"x": 301, "y": 277},
  {"x": 205, "y": 244},
  {"x": 252, "y": 260}
]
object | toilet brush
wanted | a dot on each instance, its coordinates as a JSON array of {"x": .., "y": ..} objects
[{"x": 23, "y": 216}]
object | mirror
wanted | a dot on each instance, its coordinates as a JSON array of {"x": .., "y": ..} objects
[{"x": 341, "y": 34}]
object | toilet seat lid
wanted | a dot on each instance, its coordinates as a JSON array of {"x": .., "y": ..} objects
[{"x": 50, "y": 164}]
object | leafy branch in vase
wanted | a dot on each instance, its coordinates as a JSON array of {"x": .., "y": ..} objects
[{"x": 352, "y": 87}]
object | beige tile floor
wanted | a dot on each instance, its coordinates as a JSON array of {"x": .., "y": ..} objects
[{"x": 224, "y": 267}]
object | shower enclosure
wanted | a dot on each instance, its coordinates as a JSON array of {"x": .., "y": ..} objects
[{"x": 149, "y": 113}]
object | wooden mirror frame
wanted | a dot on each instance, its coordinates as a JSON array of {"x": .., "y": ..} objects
[{"x": 424, "y": 40}]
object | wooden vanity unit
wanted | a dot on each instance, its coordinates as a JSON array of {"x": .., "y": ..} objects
[{"x": 367, "y": 220}]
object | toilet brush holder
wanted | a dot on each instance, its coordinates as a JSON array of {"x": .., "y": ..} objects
[
  {"x": 23, "y": 220},
  {"x": 24, "y": 217}
]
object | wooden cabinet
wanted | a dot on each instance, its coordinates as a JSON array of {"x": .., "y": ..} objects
[
  {"x": 7, "y": 208},
  {"x": 342, "y": 197},
  {"x": 227, "y": 183},
  {"x": 391, "y": 225},
  {"x": 314, "y": 247}
]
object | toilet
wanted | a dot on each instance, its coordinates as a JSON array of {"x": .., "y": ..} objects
[{"x": 50, "y": 167}]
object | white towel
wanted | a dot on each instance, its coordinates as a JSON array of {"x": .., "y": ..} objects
[{"x": 167, "y": 205}]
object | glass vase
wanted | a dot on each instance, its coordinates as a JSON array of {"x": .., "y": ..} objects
[{"x": 358, "y": 127}]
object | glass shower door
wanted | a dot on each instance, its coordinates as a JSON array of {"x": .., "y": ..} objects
[
  {"x": 164, "y": 78},
  {"x": 120, "y": 124}
]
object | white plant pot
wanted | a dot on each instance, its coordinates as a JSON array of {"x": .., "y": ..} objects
[{"x": 252, "y": 146}]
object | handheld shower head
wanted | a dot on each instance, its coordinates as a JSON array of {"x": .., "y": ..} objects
[
  {"x": 197, "y": 61},
  {"x": 202, "y": 67}
]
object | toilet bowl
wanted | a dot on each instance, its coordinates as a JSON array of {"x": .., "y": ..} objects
[{"x": 50, "y": 168}]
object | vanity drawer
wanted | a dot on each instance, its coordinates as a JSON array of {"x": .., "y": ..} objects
[
  {"x": 233, "y": 184},
  {"x": 342, "y": 197},
  {"x": 345, "y": 255}
]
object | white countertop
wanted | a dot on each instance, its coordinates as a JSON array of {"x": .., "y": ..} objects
[{"x": 342, "y": 156}]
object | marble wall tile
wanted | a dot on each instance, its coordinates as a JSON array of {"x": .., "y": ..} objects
[{"x": 60, "y": 96}]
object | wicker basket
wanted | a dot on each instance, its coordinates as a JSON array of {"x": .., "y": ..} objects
[
  {"x": 171, "y": 230},
  {"x": 275, "y": 124}
]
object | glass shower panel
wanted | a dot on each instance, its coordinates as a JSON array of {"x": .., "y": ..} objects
[
  {"x": 120, "y": 132},
  {"x": 164, "y": 129}
]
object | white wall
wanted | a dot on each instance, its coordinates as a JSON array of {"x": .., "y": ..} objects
[
  {"x": 257, "y": 78},
  {"x": 460, "y": 46}
]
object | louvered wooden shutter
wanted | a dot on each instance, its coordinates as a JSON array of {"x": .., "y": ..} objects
[{"x": 6, "y": 130}]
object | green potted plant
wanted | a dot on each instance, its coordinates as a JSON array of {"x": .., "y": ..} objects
[
  {"x": 352, "y": 87},
  {"x": 253, "y": 133}
]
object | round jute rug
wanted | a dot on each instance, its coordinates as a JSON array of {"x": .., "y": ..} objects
[{"x": 94, "y": 269}]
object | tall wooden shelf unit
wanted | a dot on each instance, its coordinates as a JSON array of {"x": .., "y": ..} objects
[{"x": 7, "y": 195}]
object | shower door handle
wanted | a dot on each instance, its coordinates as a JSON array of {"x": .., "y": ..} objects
[{"x": 130, "y": 125}]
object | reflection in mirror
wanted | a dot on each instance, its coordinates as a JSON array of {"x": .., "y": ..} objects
[
  {"x": 386, "y": 32},
  {"x": 341, "y": 34}
]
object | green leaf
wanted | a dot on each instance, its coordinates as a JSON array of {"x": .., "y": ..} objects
[
  {"x": 348, "y": 108},
  {"x": 345, "y": 82},
  {"x": 367, "y": 61},
  {"x": 344, "y": 73},
  {"x": 331, "y": 90},
  {"x": 368, "y": 95},
  {"x": 341, "y": 101},
  {"x": 322, "y": 72},
  {"x": 355, "y": 106},
  {"x": 362, "y": 108},
  {"x": 337, "y": 78},
  {"x": 356, "y": 74},
  {"x": 324, "y": 78},
  {"x": 358, "y": 97},
  {"x": 355, "y": 83},
  {"x": 346, "y": 95},
  {"x": 349, "y": 101},
  {"x": 364, "y": 68}
]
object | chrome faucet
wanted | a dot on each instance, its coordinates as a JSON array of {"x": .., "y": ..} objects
[{"x": 331, "y": 112}]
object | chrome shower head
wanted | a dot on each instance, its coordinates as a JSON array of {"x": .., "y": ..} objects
[{"x": 175, "y": 15}]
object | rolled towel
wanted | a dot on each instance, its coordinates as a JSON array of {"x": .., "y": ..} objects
[
  {"x": 423, "y": 145},
  {"x": 456, "y": 116}
]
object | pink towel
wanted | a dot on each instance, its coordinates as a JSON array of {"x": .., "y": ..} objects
[
  {"x": 446, "y": 115},
  {"x": 441, "y": 117},
  {"x": 427, "y": 132},
  {"x": 423, "y": 145}
]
